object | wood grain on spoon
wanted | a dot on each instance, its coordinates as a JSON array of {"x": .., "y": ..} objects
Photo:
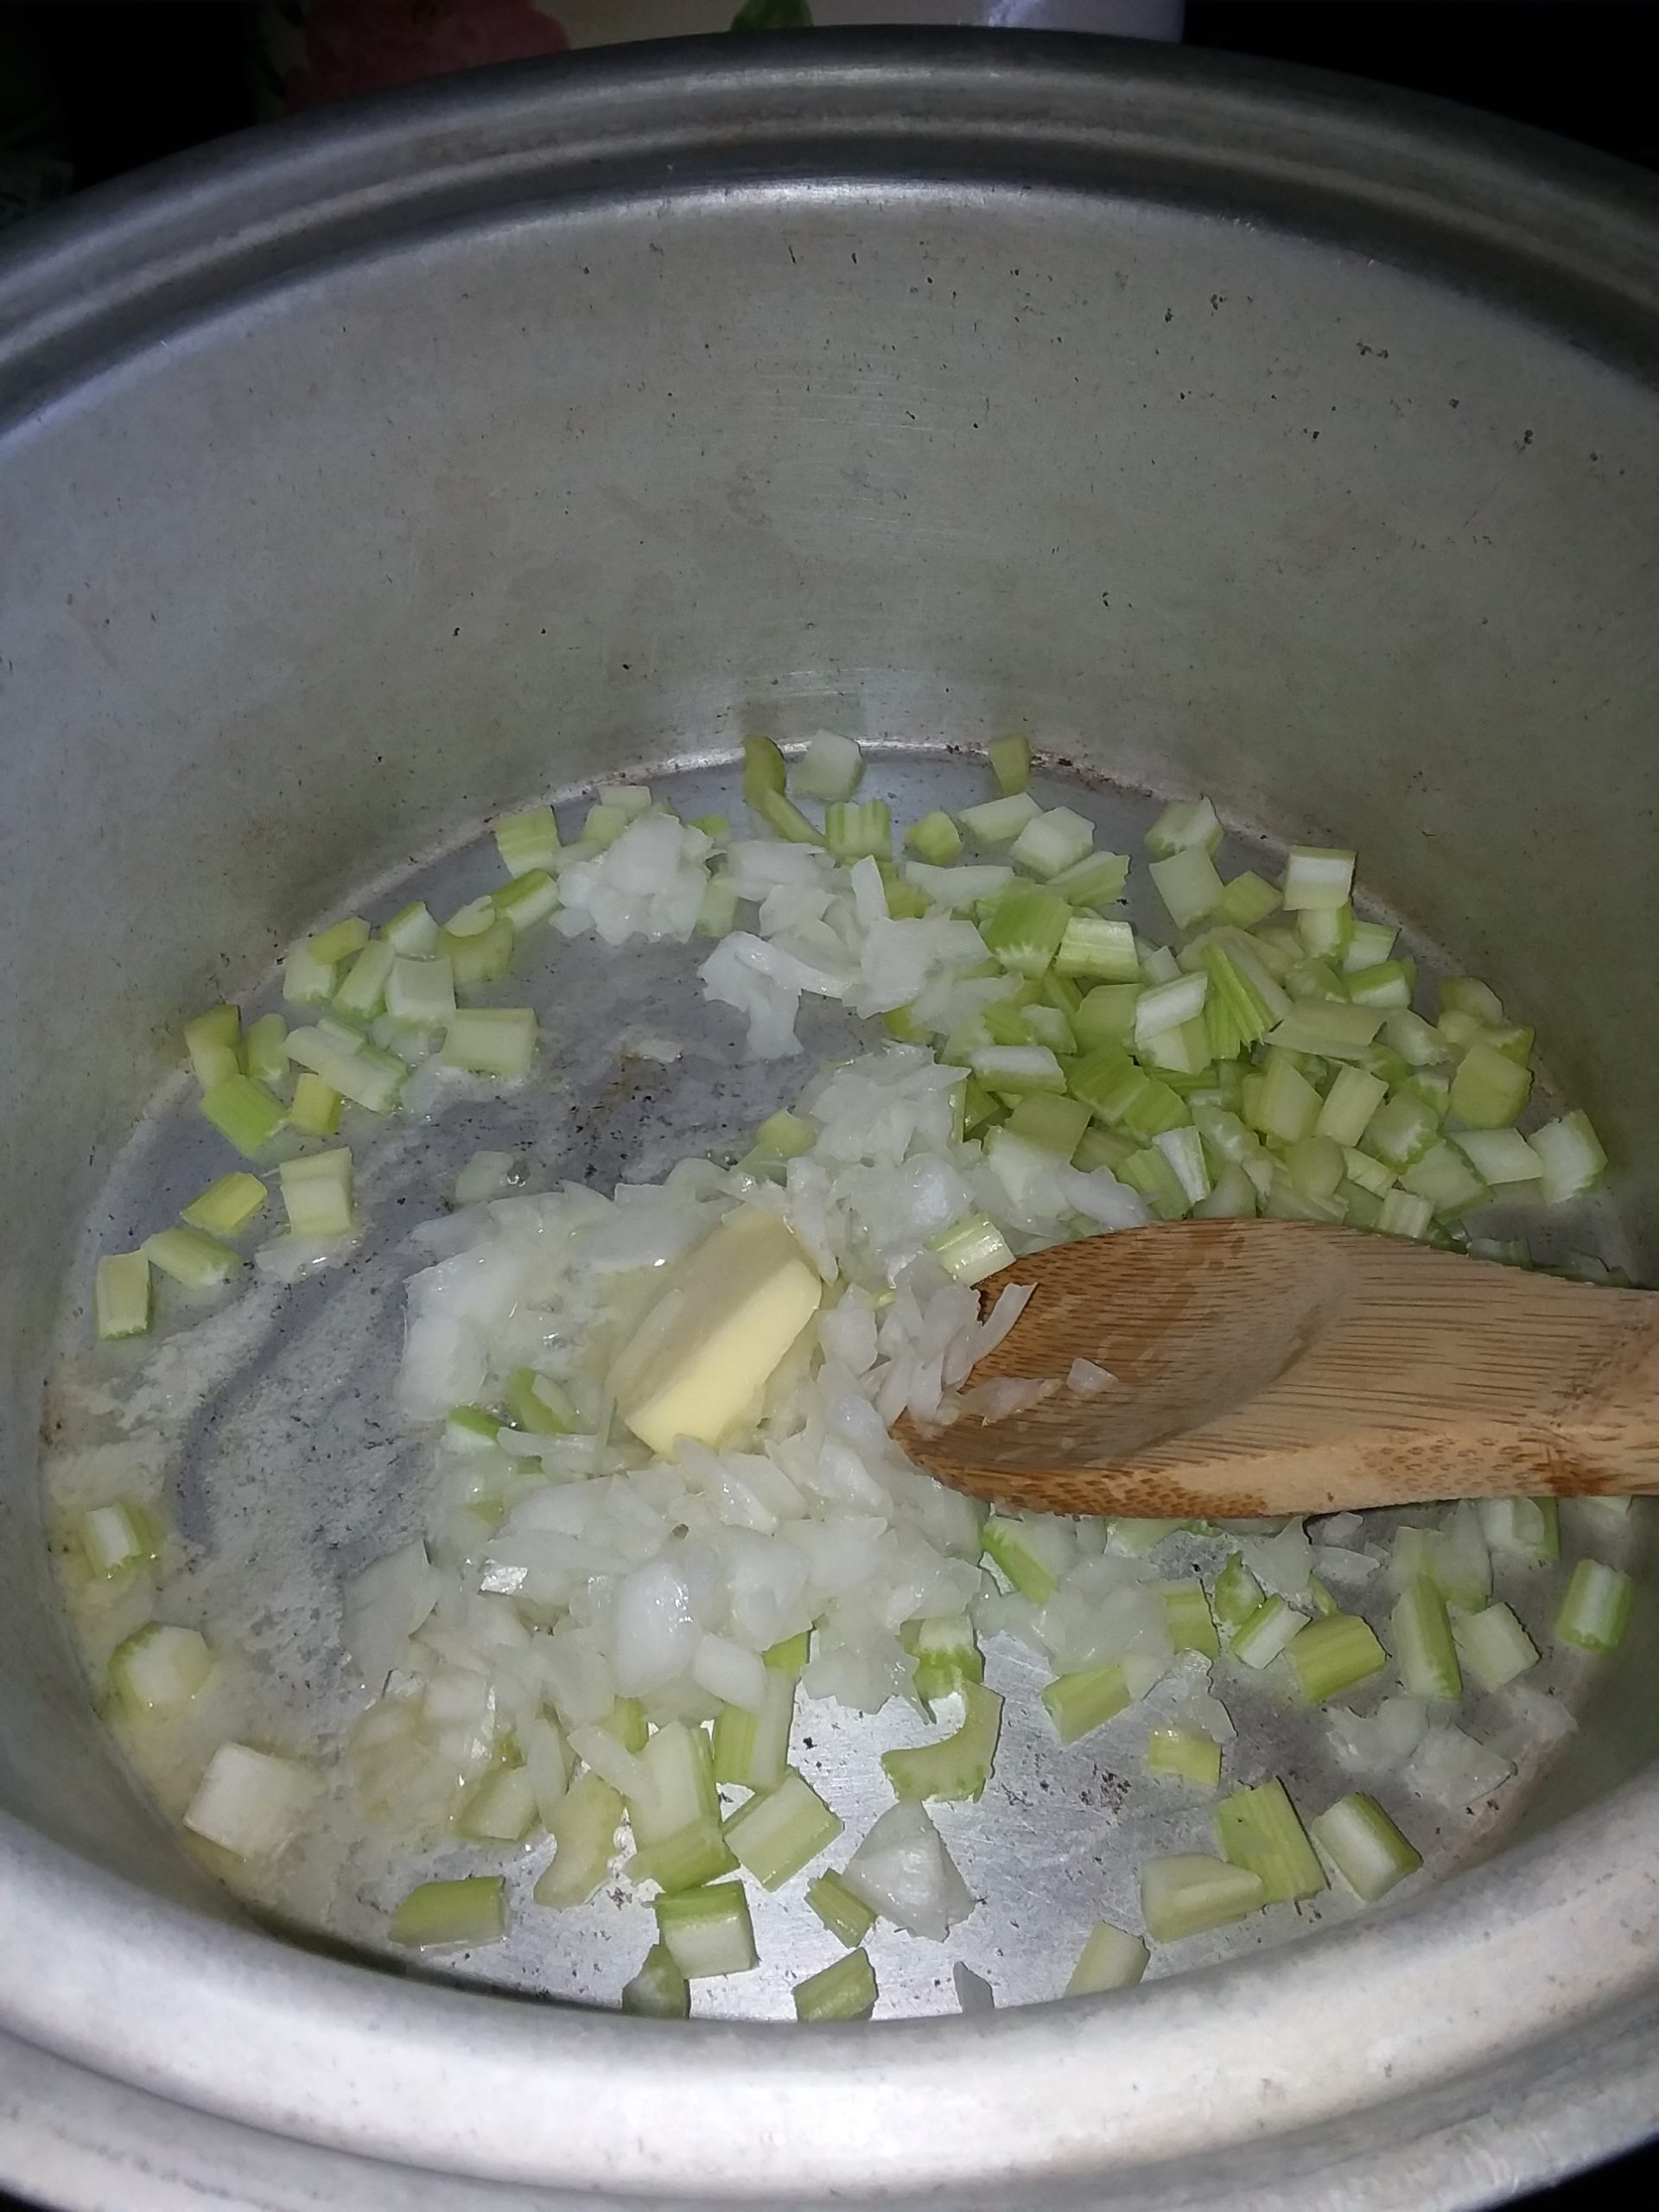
[{"x": 1284, "y": 1367}]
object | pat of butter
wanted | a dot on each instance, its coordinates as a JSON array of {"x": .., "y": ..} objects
[{"x": 715, "y": 1338}]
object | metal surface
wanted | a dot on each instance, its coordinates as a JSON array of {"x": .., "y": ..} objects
[{"x": 1228, "y": 431}]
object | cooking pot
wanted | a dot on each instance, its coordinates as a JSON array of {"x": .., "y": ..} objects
[{"x": 1229, "y": 429}]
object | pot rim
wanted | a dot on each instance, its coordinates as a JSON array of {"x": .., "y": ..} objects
[{"x": 1523, "y": 1953}]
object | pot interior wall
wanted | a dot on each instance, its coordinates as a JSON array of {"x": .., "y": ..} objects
[{"x": 294, "y": 595}]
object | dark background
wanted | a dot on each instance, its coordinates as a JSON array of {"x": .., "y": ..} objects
[{"x": 115, "y": 86}]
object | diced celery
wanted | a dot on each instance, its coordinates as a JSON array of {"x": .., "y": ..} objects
[
  {"x": 1445, "y": 1178},
  {"x": 1024, "y": 930},
  {"x": 480, "y": 955},
  {"x": 1571, "y": 1155},
  {"x": 1052, "y": 842},
  {"x": 752, "y": 1750},
  {"x": 1186, "y": 1894},
  {"x": 265, "y": 1052},
  {"x": 452, "y": 1914},
  {"x": 245, "y": 1112},
  {"x": 122, "y": 1300},
  {"x": 1097, "y": 881},
  {"x": 717, "y": 914},
  {"x": 362, "y": 1073},
  {"x": 1401, "y": 1213},
  {"x": 935, "y": 840},
  {"x": 422, "y": 991},
  {"x": 1110, "y": 1958},
  {"x": 1184, "y": 1755},
  {"x": 1331, "y": 1654},
  {"x": 492, "y": 1040},
  {"x": 659, "y": 1991},
  {"x": 848, "y": 1919},
  {"x": 789, "y": 1657},
  {"x": 1184, "y": 1151},
  {"x": 1524, "y": 1528},
  {"x": 1494, "y": 1646},
  {"x": 692, "y": 1855},
  {"x": 1349, "y": 1105},
  {"x": 1031, "y": 1555},
  {"x": 831, "y": 768},
  {"x": 1315, "y": 1165},
  {"x": 1079, "y": 1703},
  {"x": 212, "y": 1041},
  {"x": 1098, "y": 945},
  {"x": 1465, "y": 995},
  {"x": 1053, "y": 1124},
  {"x": 308, "y": 980},
  {"x": 1401, "y": 1130},
  {"x": 412, "y": 931},
  {"x": 1048, "y": 1025},
  {"x": 1364, "y": 1846},
  {"x": 341, "y": 941},
  {"x": 1330, "y": 1027},
  {"x": 1499, "y": 1156},
  {"x": 971, "y": 1248},
  {"x": 1369, "y": 944},
  {"x": 317, "y": 1193},
  {"x": 1150, "y": 1173},
  {"x": 1287, "y": 1105},
  {"x": 1258, "y": 1640},
  {"x": 583, "y": 1825},
  {"x": 1185, "y": 823},
  {"x": 1010, "y": 759},
  {"x": 501, "y": 1808},
  {"x": 117, "y": 1537},
  {"x": 1188, "y": 884},
  {"x": 1595, "y": 1609},
  {"x": 1423, "y": 1648},
  {"x": 1386, "y": 986},
  {"x": 776, "y": 1833},
  {"x": 1107, "y": 1013},
  {"x": 958, "y": 1767},
  {"x": 1325, "y": 933},
  {"x": 317, "y": 1107},
  {"x": 785, "y": 819},
  {"x": 1317, "y": 877},
  {"x": 1489, "y": 1089},
  {"x": 1188, "y": 1616},
  {"x": 363, "y": 991},
  {"x": 604, "y": 823},
  {"x": 1012, "y": 1070},
  {"x": 1238, "y": 1593},
  {"x": 855, "y": 829},
  {"x": 527, "y": 840},
  {"x": 845, "y": 1991},
  {"x": 1164, "y": 1006},
  {"x": 191, "y": 1257},
  {"x": 159, "y": 1668},
  {"x": 1247, "y": 899},
  {"x": 998, "y": 821},
  {"x": 708, "y": 1932},
  {"x": 945, "y": 1653},
  {"x": 1258, "y": 1827},
  {"x": 527, "y": 900}
]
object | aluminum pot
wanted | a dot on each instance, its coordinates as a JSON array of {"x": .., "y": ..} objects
[{"x": 1233, "y": 429}]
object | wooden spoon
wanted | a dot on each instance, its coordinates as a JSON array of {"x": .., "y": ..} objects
[{"x": 1265, "y": 1367}]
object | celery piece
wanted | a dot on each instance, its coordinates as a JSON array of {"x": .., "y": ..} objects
[
  {"x": 1110, "y": 1958},
  {"x": 214, "y": 1041},
  {"x": 1331, "y": 1654},
  {"x": 603, "y": 823},
  {"x": 1258, "y": 1827},
  {"x": 116, "y": 1537},
  {"x": 478, "y": 956},
  {"x": 1031, "y": 1555},
  {"x": 788, "y": 1656},
  {"x": 1499, "y": 1156},
  {"x": 1187, "y": 1613},
  {"x": 1185, "y": 823},
  {"x": 317, "y": 1193},
  {"x": 785, "y": 819},
  {"x": 630, "y": 800},
  {"x": 362, "y": 991},
  {"x": 317, "y": 1107},
  {"x": 1081, "y": 1702},
  {"x": 190, "y": 1257},
  {"x": 1595, "y": 1609},
  {"x": 1525, "y": 1528},
  {"x": 122, "y": 1301},
  {"x": 764, "y": 769},
  {"x": 998, "y": 821},
  {"x": 708, "y": 1932},
  {"x": 1184, "y": 1755},
  {"x": 958, "y": 1767},
  {"x": 1315, "y": 1165},
  {"x": 1150, "y": 1173},
  {"x": 1010, "y": 759},
  {"x": 1489, "y": 1089},
  {"x": 1466, "y": 994},
  {"x": 307, "y": 979},
  {"x": 659, "y": 1991},
  {"x": 848, "y": 1919},
  {"x": 422, "y": 991},
  {"x": 1401, "y": 1130},
  {"x": 1258, "y": 1640},
  {"x": 1012, "y": 1070},
  {"x": 527, "y": 898},
  {"x": 946, "y": 1655},
  {"x": 1346, "y": 1113},
  {"x": 1188, "y": 885},
  {"x": 1238, "y": 1593},
  {"x": 972, "y": 1249},
  {"x": 583, "y": 1825},
  {"x": 935, "y": 840},
  {"x": 855, "y": 829},
  {"x": 1423, "y": 1648},
  {"x": 1024, "y": 930},
  {"x": 368, "y": 1077},
  {"x": 1571, "y": 1156},
  {"x": 717, "y": 913},
  {"x": 1246, "y": 901},
  {"x": 1387, "y": 986},
  {"x": 340, "y": 941},
  {"x": 692, "y": 1855},
  {"x": 1370, "y": 946},
  {"x": 1097, "y": 881},
  {"x": 244, "y": 1111},
  {"x": 1401, "y": 1213},
  {"x": 1052, "y": 842},
  {"x": 1107, "y": 1013},
  {"x": 1317, "y": 877},
  {"x": 412, "y": 931},
  {"x": 775, "y": 1833},
  {"x": 1325, "y": 933},
  {"x": 1186, "y": 1894},
  {"x": 158, "y": 1668},
  {"x": 1287, "y": 1105},
  {"x": 492, "y": 1040},
  {"x": 1445, "y": 1177},
  {"x": 845, "y": 1991},
  {"x": 265, "y": 1052},
  {"x": 527, "y": 840},
  {"x": 1097, "y": 945},
  {"x": 1055, "y": 1125},
  {"x": 538, "y": 1405},
  {"x": 1364, "y": 1846},
  {"x": 1328, "y": 1027},
  {"x": 1493, "y": 1646},
  {"x": 501, "y": 1808},
  {"x": 1166, "y": 1006},
  {"x": 452, "y": 1914},
  {"x": 831, "y": 768},
  {"x": 752, "y": 1750}
]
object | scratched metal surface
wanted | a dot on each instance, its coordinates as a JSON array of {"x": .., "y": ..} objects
[{"x": 266, "y": 1422}]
